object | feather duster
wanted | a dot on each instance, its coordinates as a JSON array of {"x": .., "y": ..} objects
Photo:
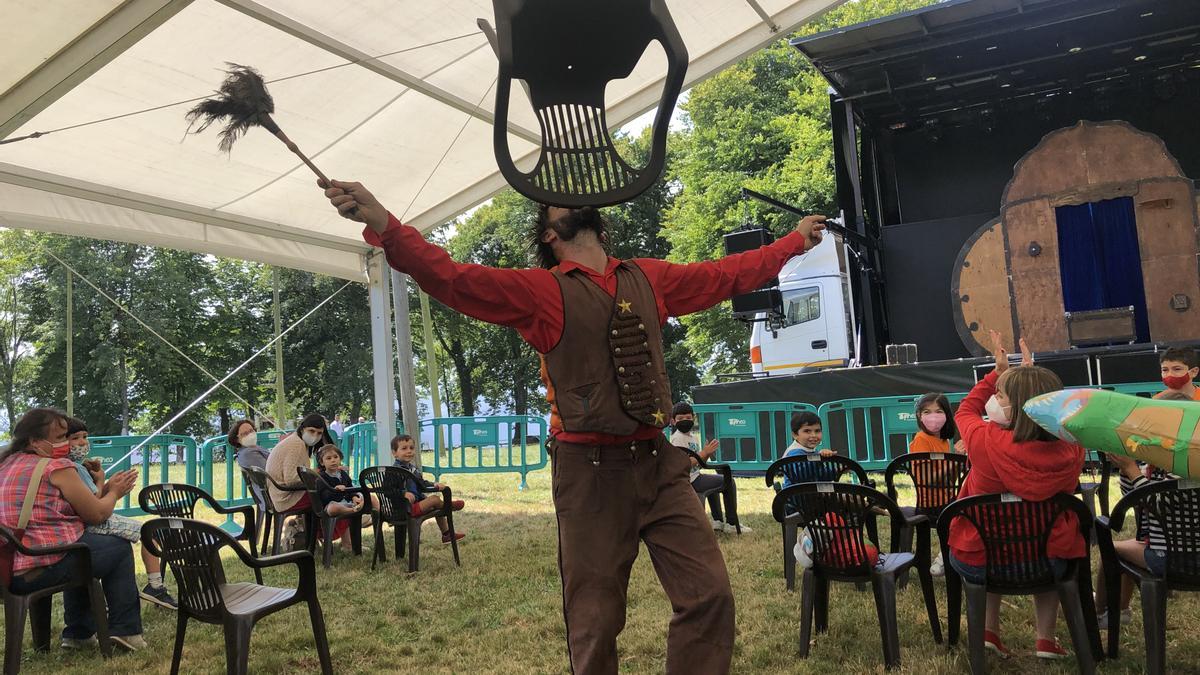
[{"x": 243, "y": 102}]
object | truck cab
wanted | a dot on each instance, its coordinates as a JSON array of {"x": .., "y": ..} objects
[{"x": 816, "y": 328}]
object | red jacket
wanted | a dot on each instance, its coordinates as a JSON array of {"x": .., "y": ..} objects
[{"x": 1032, "y": 470}]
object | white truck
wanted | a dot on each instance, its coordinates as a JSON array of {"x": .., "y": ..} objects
[{"x": 816, "y": 330}]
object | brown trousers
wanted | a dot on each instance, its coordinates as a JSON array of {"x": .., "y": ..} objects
[{"x": 606, "y": 498}]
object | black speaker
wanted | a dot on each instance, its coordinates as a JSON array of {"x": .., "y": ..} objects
[
  {"x": 747, "y": 240},
  {"x": 745, "y": 306}
]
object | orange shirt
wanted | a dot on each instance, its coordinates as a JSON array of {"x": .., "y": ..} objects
[
  {"x": 1195, "y": 394},
  {"x": 924, "y": 442}
]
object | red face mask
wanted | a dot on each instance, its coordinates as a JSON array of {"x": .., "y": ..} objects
[
  {"x": 61, "y": 450},
  {"x": 1176, "y": 381}
]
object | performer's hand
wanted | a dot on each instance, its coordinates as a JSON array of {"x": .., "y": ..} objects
[
  {"x": 999, "y": 352},
  {"x": 813, "y": 228},
  {"x": 355, "y": 202}
]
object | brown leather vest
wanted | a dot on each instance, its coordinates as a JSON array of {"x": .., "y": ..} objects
[{"x": 607, "y": 373}]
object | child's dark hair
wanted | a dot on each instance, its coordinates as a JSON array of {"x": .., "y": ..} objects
[
  {"x": 682, "y": 408},
  {"x": 948, "y": 429},
  {"x": 398, "y": 439},
  {"x": 1184, "y": 355},
  {"x": 328, "y": 448},
  {"x": 804, "y": 419},
  {"x": 75, "y": 425}
]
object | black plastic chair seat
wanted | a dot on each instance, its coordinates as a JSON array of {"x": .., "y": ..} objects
[
  {"x": 388, "y": 483},
  {"x": 179, "y": 500},
  {"x": 936, "y": 478},
  {"x": 1174, "y": 506},
  {"x": 727, "y": 490},
  {"x": 840, "y": 518},
  {"x": 327, "y": 523},
  {"x": 566, "y": 52},
  {"x": 249, "y": 599},
  {"x": 274, "y": 516}
]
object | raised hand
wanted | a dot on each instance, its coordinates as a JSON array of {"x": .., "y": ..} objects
[
  {"x": 355, "y": 202},
  {"x": 710, "y": 448},
  {"x": 813, "y": 228},
  {"x": 122, "y": 483},
  {"x": 1026, "y": 353},
  {"x": 999, "y": 352}
]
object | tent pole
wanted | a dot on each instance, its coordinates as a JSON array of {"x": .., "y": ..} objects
[
  {"x": 70, "y": 343},
  {"x": 431, "y": 364},
  {"x": 280, "y": 401},
  {"x": 404, "y": 356},
  {"x": 381, "y": 355}
]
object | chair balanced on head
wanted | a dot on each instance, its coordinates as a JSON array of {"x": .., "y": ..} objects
[
  {"x": 840, "y": 522},
  {"x": 192, "y": 550}
]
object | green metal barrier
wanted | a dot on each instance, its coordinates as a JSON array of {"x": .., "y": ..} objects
[
  {"x": 872, "y": 431},
  {"x": 154, "y": 461},
  {"x": 359, "y": 446},
  {"x": 496, "y": 433},
  {"x": 751, "y": 435}
]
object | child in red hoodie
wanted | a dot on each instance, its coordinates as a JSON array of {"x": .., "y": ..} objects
[{"x": 1012, "y": 454}]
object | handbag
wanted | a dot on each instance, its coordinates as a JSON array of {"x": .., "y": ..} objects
[{"x": 8, "y": 549}]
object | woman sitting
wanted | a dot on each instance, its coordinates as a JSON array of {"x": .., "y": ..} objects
[
  {"x": 63, "y": 506},
  {"x": 292, "y": 452},
  {"x": 244, "y": 441},
  {"x": 1010, "y": 453}
]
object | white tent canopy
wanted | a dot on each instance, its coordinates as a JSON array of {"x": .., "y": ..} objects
[{"x": 384, "y": 121}]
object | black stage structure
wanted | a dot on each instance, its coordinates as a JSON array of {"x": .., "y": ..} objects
[{"x": 931, "y": 111}]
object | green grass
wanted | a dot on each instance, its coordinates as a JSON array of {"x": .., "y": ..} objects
[{"x": 501, "y": 611}]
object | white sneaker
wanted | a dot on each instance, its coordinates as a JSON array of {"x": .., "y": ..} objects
[
  {"x": 938, "y": 567},
  {"x": 718, "y": 525},
  {"x": 733, "y": 529},
  {"x": 130, "y": 643}
]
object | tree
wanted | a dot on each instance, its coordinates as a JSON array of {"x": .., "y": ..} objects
[
  {"x": 15, "y": 327},
  {"x": 762, "y": 123}
]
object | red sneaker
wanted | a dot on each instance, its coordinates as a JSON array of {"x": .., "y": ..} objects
[
  {"x": 992, "y": 641},
  {"x": 457, "y": 537},
  {"x": 1051, "y": 649},
  {"x": 457, "y": 504}
]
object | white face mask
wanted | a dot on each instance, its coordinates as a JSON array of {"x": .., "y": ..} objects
[
  {"x": 311, "y": 438},
  {"x": 249, "y": 440},
  {"x": 997, "y": 413}
]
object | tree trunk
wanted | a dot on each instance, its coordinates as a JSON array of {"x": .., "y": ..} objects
[{"x": 123, "y": 382}]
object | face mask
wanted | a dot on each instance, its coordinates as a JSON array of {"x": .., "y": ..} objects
[
  {"x": 1176, "y": 381},
  {"x": 61, "y": 450},
  {"x": 933, "y": 422},
  {"x": 310, "y": 438},
  {"x": 685, "y": 426},
  {"x": 78, "y": 453},
  {"x": 996, "y": 412},
  {"x": 250, "y": 440}
]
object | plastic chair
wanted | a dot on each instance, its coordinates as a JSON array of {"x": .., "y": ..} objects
[
  {"x": 936, "y": 478},
  {"x": 175, "y": 500},
  {"x": 387, "y": 484},
  {"x": 274, "y": 516},
  {"x": 1015, "y": 534},
  {"x": 808, "y": 469},
  {"x": 728, "y": 490},
  {"x": 327, "y": 523},
  {"x": 192, "y": 550},
  {"x": 566, "y": 52},
  {"x": 37, "y": 605},
  {"x": 260, "y": 508},
  {"x": 1095, "y": 488},
  {"x": 837, "y": 515},
  {"x": 1175, "y": 506}
]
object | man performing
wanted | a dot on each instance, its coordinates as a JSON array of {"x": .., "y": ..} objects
[{"x": 596, "y": 321}]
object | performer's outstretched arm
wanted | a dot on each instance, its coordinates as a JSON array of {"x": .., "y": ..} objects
[
  {"x": 513, "y": 298},
  {"x": 683, "y": 289}
]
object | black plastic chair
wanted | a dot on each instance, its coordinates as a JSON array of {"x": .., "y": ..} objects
[
  {"x": 1093, "y": 483},
  {"x": 728, "y": 490},
  {"x": 387, "y": 484},
  {"x": 177, "y": 500},
  {"x": 808, "y": 469},
  {"x": 274, "y": 516},
  {"x": 260, "y": 508},
  {"x": 327, "y": 523},
  {"x": 1177, "y": 510},
  {"x": 37, "y": 605},
  {"x": 192, "y": 550},
  {"x": 936, "y": 478},
  {"x": 837, "y": 515},
  {"x": 1015, "y": 534},
  {"x": 566, "y": 52}
]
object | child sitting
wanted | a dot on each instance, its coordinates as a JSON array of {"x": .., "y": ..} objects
[
  {"x": 404, "y": 451},
  {"x": 806, "y": 437},
  {"x": 683, "y": 421},
  {"x": 1179, "y": 368},
  {"x": 331, "y": 493},
  {"x": 126, "y": 528},
  {"x": 935, "y": 425}
]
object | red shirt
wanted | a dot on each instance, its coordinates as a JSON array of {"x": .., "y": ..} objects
[
  {"x": 1032, "y": 470},
  {"x": 53, "y": 521},
  {"x": 529, "y": 300}
]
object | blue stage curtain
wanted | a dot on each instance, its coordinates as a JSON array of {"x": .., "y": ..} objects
[{"x": 1099, "y": 259}]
